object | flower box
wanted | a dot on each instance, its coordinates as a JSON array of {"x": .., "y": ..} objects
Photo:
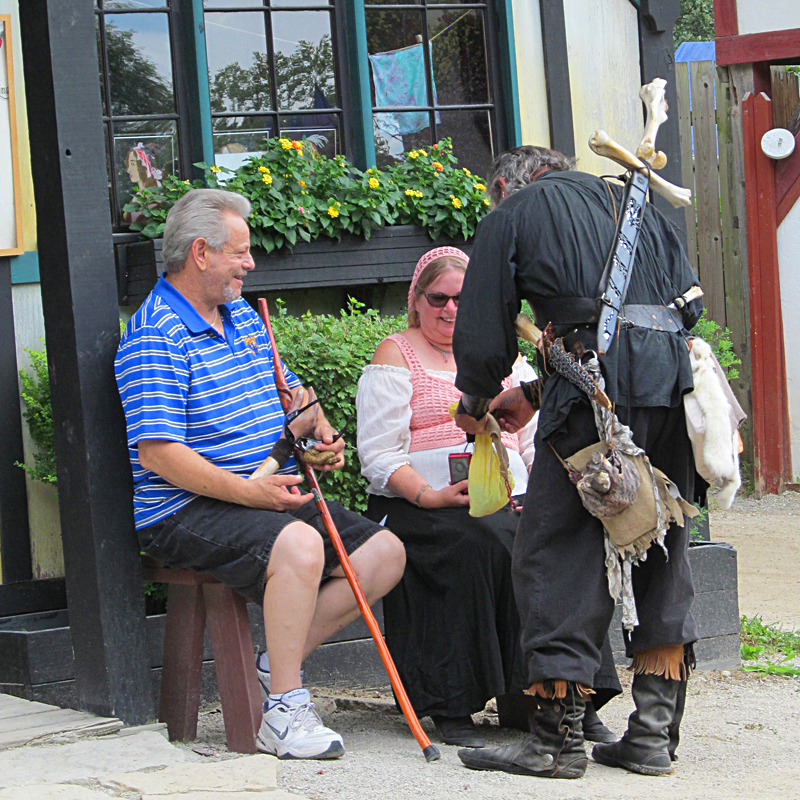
[{"x": 389, "y": 256}]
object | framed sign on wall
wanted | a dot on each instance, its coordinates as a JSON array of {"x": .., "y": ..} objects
[{"x": 10, "y": 193}]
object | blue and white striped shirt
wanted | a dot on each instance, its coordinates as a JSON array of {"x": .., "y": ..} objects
[{"x": 181, "y": 381}]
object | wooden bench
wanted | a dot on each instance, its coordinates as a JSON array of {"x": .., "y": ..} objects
[{"x": 193, "y": 600}]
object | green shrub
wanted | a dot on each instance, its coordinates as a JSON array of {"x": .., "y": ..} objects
[
  {"x": 720, "y": 341},
  {"x": 296, "y": 193},
  {"x": 39, "y": 416},
  {"x": 328, "y": 353}
]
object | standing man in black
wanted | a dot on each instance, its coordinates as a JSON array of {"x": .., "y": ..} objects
[{"x": 548, "y": 243}]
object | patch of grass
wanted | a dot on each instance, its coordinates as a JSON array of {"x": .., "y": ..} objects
[{"x": 761, "y": 640}]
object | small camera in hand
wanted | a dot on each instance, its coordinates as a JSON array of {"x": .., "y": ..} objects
[{"x": 459, "y": 466}]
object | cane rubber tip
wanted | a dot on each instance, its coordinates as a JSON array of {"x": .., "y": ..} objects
[{"x": 431, "y": 753}]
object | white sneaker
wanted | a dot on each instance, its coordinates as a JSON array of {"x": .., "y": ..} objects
[
  {"x": 262, "y": 670},
  {"x": 291, "y": 728}
]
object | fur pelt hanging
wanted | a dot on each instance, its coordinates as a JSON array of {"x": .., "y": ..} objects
[{"x": 713, "y": 416}]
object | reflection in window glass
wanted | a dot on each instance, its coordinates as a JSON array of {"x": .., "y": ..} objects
[
  {"x": 389, "y": 147},
  {"x": 304, "y": 70},
  {"x": 145, "y": 152},
  {"x": 238, "y": 66},
  {"x": 110, "y": 5},
  {"x": 458, "y": 55},
  {"x": 139, "y": 64},
  {"x": 319, "y": 130},
  {"x": 233, "y": 3},
  {"x": 300, "y": 3},
  {"x": 471, "y": 132}
]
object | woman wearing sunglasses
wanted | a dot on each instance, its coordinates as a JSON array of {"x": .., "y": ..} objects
[{"x": 452, "y": 623}]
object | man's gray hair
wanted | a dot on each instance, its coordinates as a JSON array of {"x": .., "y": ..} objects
[
  {"x": 518, "y": 166},
  {"x": 199, "y": 214}
]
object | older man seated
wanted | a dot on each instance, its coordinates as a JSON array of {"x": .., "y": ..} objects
[{"x": 195, "y": 373}]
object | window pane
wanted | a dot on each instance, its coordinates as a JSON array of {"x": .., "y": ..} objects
[
  {"x": 139, "y": 64},
  {"x": 117, "y": 4},
  {"x": 145, "y": 152},
  {"x": 397, "y": 73},
  {"x": 233, "y": 3},
  {"x": 391, "y": 140},
  {"x": 305, "y": 3},
  {"x": 236, "y": 139},
  {"x": 238, "y": 73},
  {"x": 393, "y": 2},
  {"x": 304, "y": 69},
  {"x": 458, "y": 53},
  {"x": 320, "y": 130},
  {"x": 471, "y": 132}
]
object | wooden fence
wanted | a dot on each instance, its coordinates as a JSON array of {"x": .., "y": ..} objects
[{"x": 712, "y": 164}]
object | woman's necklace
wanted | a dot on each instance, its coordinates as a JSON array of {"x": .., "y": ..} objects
[{"x": 443, "y": 353}]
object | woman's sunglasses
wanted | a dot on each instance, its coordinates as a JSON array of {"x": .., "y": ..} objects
[{"x": 439, "y": 299}]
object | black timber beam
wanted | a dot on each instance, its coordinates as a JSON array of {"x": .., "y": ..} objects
[
  {"x": 556, "y": 73},
  {"x": 79, "y": 297},
  {"x": 656, "y": 20},
  {"x": 15, "y": 540}
]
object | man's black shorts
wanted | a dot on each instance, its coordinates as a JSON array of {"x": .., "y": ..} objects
[{"x": 233, "y": 543}]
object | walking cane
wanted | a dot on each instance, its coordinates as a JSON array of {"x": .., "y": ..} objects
[{"x": 430, "y": 751}]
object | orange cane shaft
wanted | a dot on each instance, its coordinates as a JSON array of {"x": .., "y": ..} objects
[{"x": 431, "y": 753}]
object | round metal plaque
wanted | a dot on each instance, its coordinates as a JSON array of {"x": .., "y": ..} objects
[{"x": 777, "y": 143}]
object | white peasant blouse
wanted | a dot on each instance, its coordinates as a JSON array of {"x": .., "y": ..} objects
[{"x": 383, "y": 404}]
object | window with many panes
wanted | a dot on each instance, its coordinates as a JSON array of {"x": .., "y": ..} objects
[
  {"x": 141, "y": 115},
  {"x": 271, "y": 73},
  {"x": 431, "y": 56},
  {"x": 280, "y": 68}
]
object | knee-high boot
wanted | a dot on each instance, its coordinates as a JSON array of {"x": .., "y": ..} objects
[
  {"x": 555, "y": 748},
  {"x": 674, "y": 730},
  {"x": 644, "y": 748}
]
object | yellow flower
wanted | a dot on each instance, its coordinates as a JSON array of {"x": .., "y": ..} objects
[
  {"x": 486, "y": 201},
  {"x": 437, "y": 166},
  {"x": 302, "y": 183},
  {"x": 285, "y": 144},
  {"x": 297, "y": 145},
  {"x": 333, "y": 211},
  {"x": 369, "y": 171},
  {"x": 263, "y": 169},
  {"x": 373, "y": 183},
  {"x": 424, "y": 152},
  {"x": 188, "y": 183},
  {"x": 456, "y": 202},
  {"x": 215, "y": 169},
  {"x": 479, "y": 186},
  {"x": 338, "y": 204},
  {"x": 410, "y": 192},
  {"x": 267, "y": 179},
  {"x": 466, "y": 171},
  {"x": 413, "y": 154}
]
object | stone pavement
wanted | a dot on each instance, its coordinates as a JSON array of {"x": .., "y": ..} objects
[{"x": 130, "y": 763}]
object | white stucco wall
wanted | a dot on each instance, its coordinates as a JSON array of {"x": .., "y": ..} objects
[
  {"x": 789, "y": 264},
  {"x": 530, "y": 72},
  {"x": 759, "y": 16},
  {"x": 604, "y": 76}
]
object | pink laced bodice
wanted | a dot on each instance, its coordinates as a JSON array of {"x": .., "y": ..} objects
[{"x": 431, "y": 423}]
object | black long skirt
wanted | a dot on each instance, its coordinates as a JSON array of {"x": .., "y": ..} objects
[{"x": 452, "y": 624}]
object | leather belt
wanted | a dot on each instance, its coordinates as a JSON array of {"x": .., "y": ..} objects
[{"x": 657, "y": 318}]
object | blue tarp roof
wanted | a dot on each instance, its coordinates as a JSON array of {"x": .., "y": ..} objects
[{"x": 696, "y": 51}]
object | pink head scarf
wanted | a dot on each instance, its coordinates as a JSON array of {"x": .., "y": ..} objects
[{"x": 432, "y": 255}]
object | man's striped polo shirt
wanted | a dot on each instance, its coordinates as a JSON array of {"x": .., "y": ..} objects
[{"x": 181, "y": 381}]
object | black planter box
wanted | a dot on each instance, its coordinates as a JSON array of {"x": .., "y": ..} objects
[
  {"x": 36, "y": 649},
  {"x": 389, "y": 256}
]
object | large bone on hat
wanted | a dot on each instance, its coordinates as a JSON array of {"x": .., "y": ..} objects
[{"x": 432, "y": 255}]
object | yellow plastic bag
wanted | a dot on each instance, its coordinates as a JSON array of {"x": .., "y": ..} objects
[{"x": 490, "y": 481}]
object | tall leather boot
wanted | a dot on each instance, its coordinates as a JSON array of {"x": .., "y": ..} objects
[
  {"x": 674, "y": 730},
  {"x": 644, "y": 748},
  {"x": 554, "y": 750}
]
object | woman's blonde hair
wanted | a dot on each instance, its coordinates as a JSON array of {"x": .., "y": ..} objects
[{"x": 436, "y": 268}]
